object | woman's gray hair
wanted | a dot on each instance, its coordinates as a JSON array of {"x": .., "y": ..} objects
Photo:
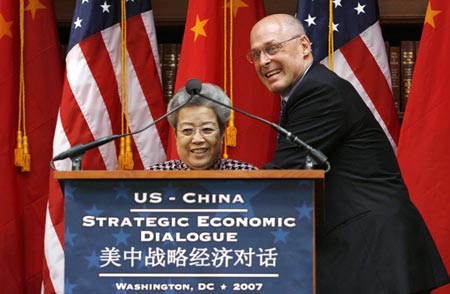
[{"x": 208, "y": 90}]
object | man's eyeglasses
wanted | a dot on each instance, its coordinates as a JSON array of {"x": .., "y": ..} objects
[{"x": 254, "y": 55}]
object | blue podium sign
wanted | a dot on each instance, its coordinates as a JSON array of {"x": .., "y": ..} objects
[{"x": 189, "y": 236}]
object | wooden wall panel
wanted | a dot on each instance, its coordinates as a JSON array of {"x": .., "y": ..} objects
[{"x": 403, "y": 11}]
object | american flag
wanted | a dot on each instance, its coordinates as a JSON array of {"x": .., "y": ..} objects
[
  {"x": 359, "y": 52},
  {"x": 91, "y": 103}
]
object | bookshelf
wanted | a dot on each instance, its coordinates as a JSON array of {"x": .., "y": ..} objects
[
  {"x": 401, "y": 20},
  {"x": 401, "y": 23}
]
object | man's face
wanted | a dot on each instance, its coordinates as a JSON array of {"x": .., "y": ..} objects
[{"x": 279, "y": 71}]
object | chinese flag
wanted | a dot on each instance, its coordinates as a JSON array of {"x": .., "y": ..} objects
[
  {"x": 216, "y": 39},
  {"x": 424, "y": 146},
  {"x": 24, "y": 193}
]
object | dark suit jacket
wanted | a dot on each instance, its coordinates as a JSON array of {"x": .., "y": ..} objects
[{"x": 374, "y": 239}]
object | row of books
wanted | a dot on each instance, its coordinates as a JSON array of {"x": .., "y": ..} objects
[
  {"x": 169, "y": 56},
  {"x": 402, "y": 58}
]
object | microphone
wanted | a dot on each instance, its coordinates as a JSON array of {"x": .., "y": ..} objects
[
  {"x": 76, "y": 152},
  {"x": 193, "y": 86},
  {"x": 80, "y": 149},
  {"x": 313, "y": 156}
]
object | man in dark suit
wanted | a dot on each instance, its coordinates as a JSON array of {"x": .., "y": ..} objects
[{"x": 374, "y": 240}]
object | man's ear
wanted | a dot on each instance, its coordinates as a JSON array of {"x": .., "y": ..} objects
[{"x": 306, "y": 44}]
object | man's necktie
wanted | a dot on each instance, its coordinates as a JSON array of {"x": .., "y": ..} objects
[{"x": 283, "y": 106}]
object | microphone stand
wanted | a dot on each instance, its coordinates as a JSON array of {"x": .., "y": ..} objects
[{"x": 314, "y": 157}]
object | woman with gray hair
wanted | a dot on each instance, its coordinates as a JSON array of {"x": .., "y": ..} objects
[{"x": 199, "y": 130}]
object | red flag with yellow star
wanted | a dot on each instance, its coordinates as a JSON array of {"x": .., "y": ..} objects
[
  {"x": 30, "y": 82},
  {"x": 216, "y": 39},
  {"x": 424, "y": 145}
]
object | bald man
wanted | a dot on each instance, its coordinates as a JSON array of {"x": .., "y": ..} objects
[{"x": 373, "y": 240}]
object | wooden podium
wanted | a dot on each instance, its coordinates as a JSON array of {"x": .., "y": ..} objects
[{"x": 191, "y": 231}]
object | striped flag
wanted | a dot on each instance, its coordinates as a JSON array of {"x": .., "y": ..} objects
[
  {"x": 93, "y": 104},
  {"x": 359, "y": 52}
]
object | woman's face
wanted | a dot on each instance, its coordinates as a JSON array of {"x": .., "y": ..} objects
[{"x": 199, "y": 141}]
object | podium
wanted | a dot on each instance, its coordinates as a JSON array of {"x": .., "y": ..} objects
[{"x": 198, "y": 232}]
